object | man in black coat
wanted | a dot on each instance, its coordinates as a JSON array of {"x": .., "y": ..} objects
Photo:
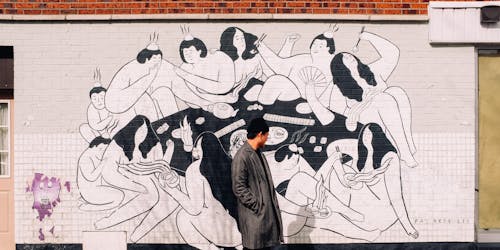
[{"x": 258, "y": 210}]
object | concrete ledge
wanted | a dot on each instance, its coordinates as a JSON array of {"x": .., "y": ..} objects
[
  {"x": 438, "y": 4},
  {"x": 132, "y": 17}
]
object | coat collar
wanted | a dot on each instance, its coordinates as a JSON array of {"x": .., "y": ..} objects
[{"x": 247, "y": 147}]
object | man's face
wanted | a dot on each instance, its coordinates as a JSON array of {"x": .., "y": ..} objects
[
  {"x": 319, "y": 47},
  {"x": 97, "y": 100},
  {"x": 154, "y": 61},
  {"x": 191, "y": 55},
  {"x": 262, "y": 138}
]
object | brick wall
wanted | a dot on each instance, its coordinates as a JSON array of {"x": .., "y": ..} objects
[{"x": 83, "y": 7}]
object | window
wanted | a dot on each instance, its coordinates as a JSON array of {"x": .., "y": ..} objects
[{"x": 4, "y": 139}]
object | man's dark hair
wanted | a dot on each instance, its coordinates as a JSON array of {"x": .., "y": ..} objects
[
  {"x": 98, "y": 140},
  {"x": 96, "y": 90},
  {"x": 198, "y": 45},
  {"x": 342, "y": 77},
  {"x": 257, "y": 126},
  {"x": 330, "y": 43},
  {"x": 147, "y": 54},
  {"x": 227, "y": 46}
]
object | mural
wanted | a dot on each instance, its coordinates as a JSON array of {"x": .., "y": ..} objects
[{"x": 161, "y": 136}]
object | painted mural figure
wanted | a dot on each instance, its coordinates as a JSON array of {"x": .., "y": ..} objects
[
  {"x": 208, "y": 77},
  {"x": 371, "y": 185},
  {"x": 130, "y": 162},
  {"x": 307, "y": 198},
  {"x": 370, "y": 100},
  {"x": 142, "y": 87},
  {"x": 294, "y": 72},
  {"x": 240, "y": 46},
  {"x": 89, "y": 179},
  {"x": 100, "y": 120},
  {"x": 209, "y": 214}
]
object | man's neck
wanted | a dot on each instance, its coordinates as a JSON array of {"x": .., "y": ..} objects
[{"x": 253, "y": 143}]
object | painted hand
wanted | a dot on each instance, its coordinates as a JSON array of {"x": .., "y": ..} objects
[{"x": 292, "y": 38}]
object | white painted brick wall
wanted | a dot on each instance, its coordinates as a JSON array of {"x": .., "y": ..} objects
[{"x": 53, "y": 75}]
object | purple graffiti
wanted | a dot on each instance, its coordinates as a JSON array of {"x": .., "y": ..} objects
[
  {"x": 68, "y": 186},
  {"x": 45, "y": 194},
  {"x": 41, "y": 236}
]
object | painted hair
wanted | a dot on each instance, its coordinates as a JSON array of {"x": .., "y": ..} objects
[
  {"x": 96, "y": 90},
  {"x": 98, "y": 140},
  {"x": 147, "y": 54},
  {"x": 330, "y": 43},
  {"x": 198, "y": 45},
  {"x": 125, "y": 137},
  {"x": 256, "y": 126},
  {"x": 342, "y": 77},
  {"x": 216, "y": 167},
  {"x": 381, "y": 146},
  {"x": 227, "y": 46}
]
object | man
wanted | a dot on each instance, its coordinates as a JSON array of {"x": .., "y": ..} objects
[{"x": 259, "y": 214}]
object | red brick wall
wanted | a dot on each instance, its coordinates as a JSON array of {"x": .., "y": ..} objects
[{"x": 56, "y": 7}]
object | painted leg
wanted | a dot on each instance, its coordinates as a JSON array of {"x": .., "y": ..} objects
[
  {"x": 164, "y": 208},
  {"x": 141, "y": 203},
  {"x": 389, "y": 113},
  {"x": 392, "y": 178},
  {"x": 338, "y": 224},
  {"x": 165, "y": 101},
  {"x": 189, "y": 232},
  {"x": 87, "y": 132},
  {"x": 278, "y": 87},
  {"x": 405, "y": 111}
]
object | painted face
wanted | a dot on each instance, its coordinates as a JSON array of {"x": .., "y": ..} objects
[
  {"x": 319, "y": 47},
  {"x": 97, "y": 100},
  {"x": 155, "y": 60},
  {"x": 139, "y": 137},
  {"x": 291, "y": 162},
  {"x": 239, "y": 41},
  {"x": 191, "y": 55},
  {"x": 101, "y": 148},
  {"x": 350, "y": 62},
  {"x": 367, "y": 138}
]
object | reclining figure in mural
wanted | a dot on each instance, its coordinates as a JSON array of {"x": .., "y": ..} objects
[
  {"x": 209, "y": 214},
  {"x": 368, "y": 98},
  {"x": 207, "y": 77},
  {"x": 372, "y": 187},
  {"x": 131, "y": 163},
  {"x": 304, "y": 197},
  {"x": 294, "y": 72},
  {"x": 142, "y": 87}
]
